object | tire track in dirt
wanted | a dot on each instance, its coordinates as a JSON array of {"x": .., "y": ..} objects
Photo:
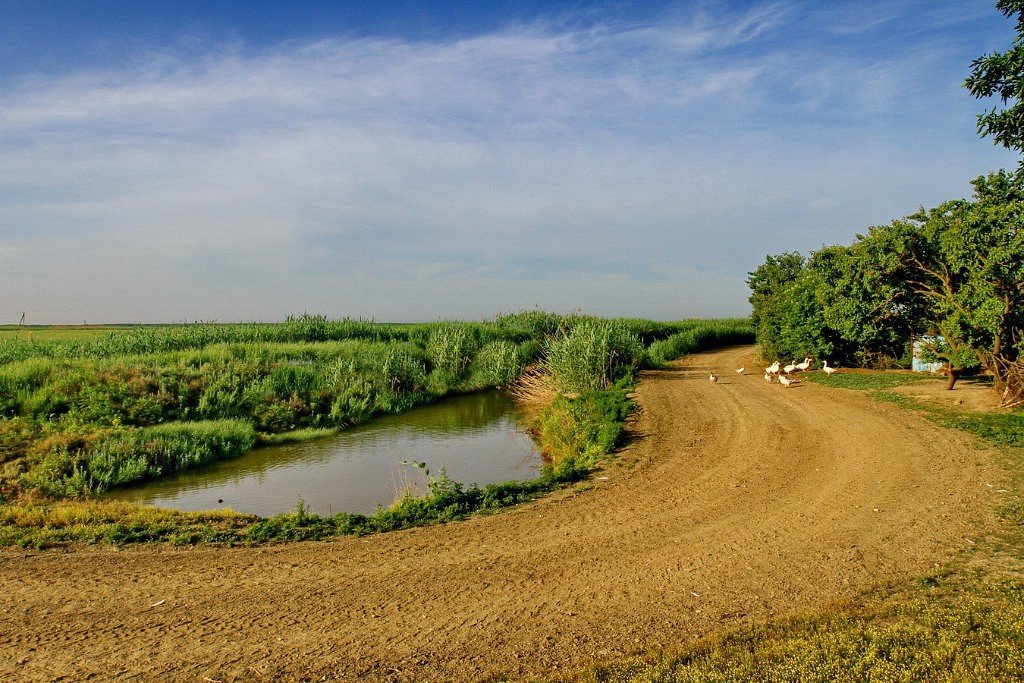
[{"x": 732, "y": 502}]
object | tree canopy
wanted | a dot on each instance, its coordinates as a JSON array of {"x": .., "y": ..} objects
[
  {"x": 1001, "y": 74},
  {"x": 954, "y": 272}
]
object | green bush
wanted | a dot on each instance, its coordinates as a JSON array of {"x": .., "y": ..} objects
[
  {"x": 498, "y": 364},
  {"x": 592, "y": 355},
  {"x": 577, "y": 432},
  {"x": 131, "y": 455},
  {"x": 450, "y": 349}
]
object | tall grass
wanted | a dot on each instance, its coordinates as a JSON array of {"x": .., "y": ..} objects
[
  {"x": 123, "y": 457},
  {"x": 80, "y": 416},
  {"x": 697, "y": 336},
  {"x": 271, "y": 387},
  {"x": 592, "y": 355}
]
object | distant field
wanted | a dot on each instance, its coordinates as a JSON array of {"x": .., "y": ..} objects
[{"x": 59, "y": 332}]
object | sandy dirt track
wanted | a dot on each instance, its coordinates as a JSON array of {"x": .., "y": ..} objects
[{"x": 735, "y": 501}]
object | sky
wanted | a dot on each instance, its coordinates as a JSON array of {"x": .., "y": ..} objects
[{"x": 413, "y": 161}]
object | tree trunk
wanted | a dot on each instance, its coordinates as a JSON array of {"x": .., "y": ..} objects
[{"x": 954, "y": 375}]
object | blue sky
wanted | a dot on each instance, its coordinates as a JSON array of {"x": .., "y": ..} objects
[{"x": 415, "y": 161}]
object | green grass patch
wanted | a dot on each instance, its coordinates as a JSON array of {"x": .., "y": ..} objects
[
  {"x": 48, "y": 524},
  {"x": 579, "y": 431},
  {"x": 866, "y": 381},
  {"x": 698, "y": 336},
  {"x": 1004, "y": 429},
  {"x": 128, "y": 456},
  {"x": 294, "y": 436}
]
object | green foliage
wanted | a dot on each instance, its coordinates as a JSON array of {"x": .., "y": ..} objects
[
  {"x": 450, "y": 349},
  {"x": 592, "y": 355},
  {"x": 966, "y": 260},
  {"x": 953, "y": 272},
  {"x": 867, "y": 314},
  {"x": 445, "y": 501},
  {"x": 577, "y": 432},
  {"x": 498, "y": 364},
  {"x": 699, "y": 336},
  {"x": 873, "y": 381},
  {"x": 535, "y": 324},
  {"x": 772, "y": 285},
  {"x": 1002, "y": 75},
  {"x": 130, "y": 455}
]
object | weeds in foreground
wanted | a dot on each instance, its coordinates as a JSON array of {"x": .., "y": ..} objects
[{"x": 948, "y": 628}]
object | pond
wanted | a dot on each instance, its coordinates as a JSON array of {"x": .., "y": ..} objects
[{"x": 477, "y": 438}]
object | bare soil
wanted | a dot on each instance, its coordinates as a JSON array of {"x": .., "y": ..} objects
[
  {"x": 732, "y": 501},
  {"x": 973, "y": 394}
]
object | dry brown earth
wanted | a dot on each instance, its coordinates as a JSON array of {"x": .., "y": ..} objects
[{"x": 735, "y": 501}]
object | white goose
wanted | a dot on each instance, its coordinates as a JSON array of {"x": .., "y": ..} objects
[
  {"x": 739, "y": 371},
  {"x": 772, "y": 369},
  {"x": 805, "y": 365},
  {"x": 713, "y": 377},
  {"x": 827, "y": 369},
  {"x": 768, "y": 377},
  {"x": 787, "y": 382},
  {"x": 790, "y": 368}
]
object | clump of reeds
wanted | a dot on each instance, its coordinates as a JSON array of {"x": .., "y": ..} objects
[
  {"x": 534, "y": 388},
  {"x": 699, "y": 335},
  {"x": 497, "y": 364},
  {"x": 592, "y": 355},
  {"x": 123, "y": 457}
]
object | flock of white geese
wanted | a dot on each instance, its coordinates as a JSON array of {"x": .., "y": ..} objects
[{"x": 784, "y": 373}]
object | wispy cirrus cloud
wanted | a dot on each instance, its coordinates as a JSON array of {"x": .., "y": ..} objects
[{"x": 628, "y": 168}]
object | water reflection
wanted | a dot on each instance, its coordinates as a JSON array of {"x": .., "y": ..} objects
[{"x": 478, "y": 438}]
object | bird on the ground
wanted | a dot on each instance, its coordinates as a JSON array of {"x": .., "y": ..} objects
[
  {"x": 739, "y": 371},
  {"x": 805, "y": 365},
  {"x": 713, "y": 378},
  {"x": 787, "y": 382},
  {"x": 768, "y": 377},
  {"x": 828, "y": 370},
  {"x": 773, "y": 369},
  {"x": 790, "y": 368}
]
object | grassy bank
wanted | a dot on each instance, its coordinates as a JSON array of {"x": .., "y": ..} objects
[
  {"x": 964, "y": 622},
  {"x": 82, "y": 416}
]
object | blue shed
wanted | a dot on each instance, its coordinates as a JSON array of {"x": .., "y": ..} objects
[{"x": 918, "y": 365}]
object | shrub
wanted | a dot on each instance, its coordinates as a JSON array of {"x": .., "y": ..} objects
[
  {"x": 577, "y": 432},
  {"x": 450, "y": 349},
  {"x": 592, "y": 355},
  {"x": 498, "y": 364},
  {"x": 132, "y": 455}
]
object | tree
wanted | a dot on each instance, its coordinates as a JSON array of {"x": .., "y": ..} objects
[
  {"x": 768, "y": 285},
  {"x": 870, "y": 311},
  {"x": 965, "y": 260},
  {"x": 1002, "y": 74}
]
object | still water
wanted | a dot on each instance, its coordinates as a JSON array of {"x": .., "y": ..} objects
[{"x": 478, "y": 438}]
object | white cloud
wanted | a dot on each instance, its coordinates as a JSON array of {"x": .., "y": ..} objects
[{"x": 634, "y": 170}]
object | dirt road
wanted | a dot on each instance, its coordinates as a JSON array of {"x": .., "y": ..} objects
[{"x": 733, "y": 501}]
